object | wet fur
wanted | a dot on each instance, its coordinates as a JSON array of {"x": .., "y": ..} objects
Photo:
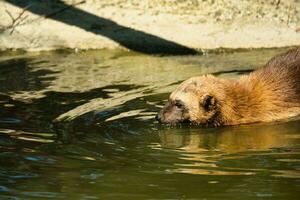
[{"x": 267, "y": 94}]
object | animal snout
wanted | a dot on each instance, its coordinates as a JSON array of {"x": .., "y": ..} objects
[{"x": 158, "y": 117}]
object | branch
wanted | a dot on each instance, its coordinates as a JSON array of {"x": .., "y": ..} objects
[
  {"x": 20, "y": 19},
  {"x": 16, "y": 21}
]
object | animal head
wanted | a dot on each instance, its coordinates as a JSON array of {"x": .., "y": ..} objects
[{"x": 196, "y": 100}]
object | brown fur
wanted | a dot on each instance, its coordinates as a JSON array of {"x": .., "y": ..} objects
[{"x": 267, "y": 94}]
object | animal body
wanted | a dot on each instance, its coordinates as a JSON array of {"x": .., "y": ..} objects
[{"x": 267, "y": 94}]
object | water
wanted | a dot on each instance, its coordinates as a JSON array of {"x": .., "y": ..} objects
[{"x": 81, "y": 126}]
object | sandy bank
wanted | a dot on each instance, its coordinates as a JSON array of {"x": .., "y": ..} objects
[{"x": 148, "y": 26}]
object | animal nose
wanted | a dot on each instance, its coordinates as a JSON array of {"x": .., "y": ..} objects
[{"x": 157, "y": 117}]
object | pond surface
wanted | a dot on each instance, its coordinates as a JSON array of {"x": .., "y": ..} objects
[{"x": 81, "y": 126}]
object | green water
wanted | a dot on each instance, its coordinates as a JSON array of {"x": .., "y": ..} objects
[{"x": 81, "y": 126}]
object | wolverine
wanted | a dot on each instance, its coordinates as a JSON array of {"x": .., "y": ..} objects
[{"x": 267, "y": 94}]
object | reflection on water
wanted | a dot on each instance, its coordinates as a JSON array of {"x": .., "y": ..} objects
[
  {"x": 81, "y": 126},
  {"x": 208, "y": 149}
]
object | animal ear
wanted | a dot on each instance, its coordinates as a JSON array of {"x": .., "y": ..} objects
[{"x": 209, "y": 102}]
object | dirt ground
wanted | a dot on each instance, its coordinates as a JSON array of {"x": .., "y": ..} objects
[{"x": 152, "y": 24}]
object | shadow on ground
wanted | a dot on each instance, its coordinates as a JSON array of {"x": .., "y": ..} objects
[{"x": 127, "y": 37}]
